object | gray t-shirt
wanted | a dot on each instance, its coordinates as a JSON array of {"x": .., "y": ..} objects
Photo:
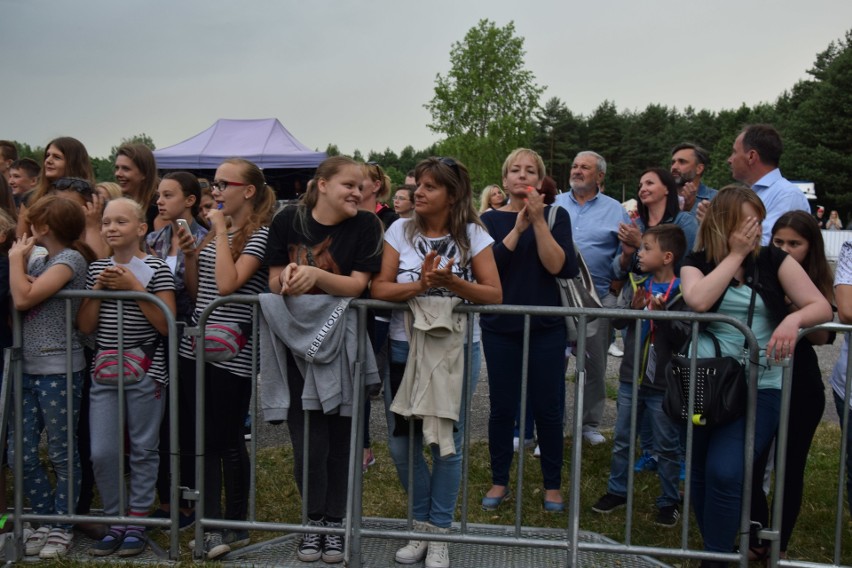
[{"x": 45, "y": 343}]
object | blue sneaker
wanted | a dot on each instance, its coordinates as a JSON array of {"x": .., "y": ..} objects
[{"x": 646, "y": 462}]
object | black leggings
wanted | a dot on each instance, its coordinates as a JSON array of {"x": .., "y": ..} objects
[{"x": 807, "y": 403}]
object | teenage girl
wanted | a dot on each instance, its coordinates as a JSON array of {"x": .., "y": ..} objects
[
  {"x": 129, "y": 269},
  {"x": 178, "y": 197},
  {"x": 228, "y": 261},
  {"x": 798, "y": 234},
  {"x": 325, "y": 245},
  {"x": 56, "y": 225}
]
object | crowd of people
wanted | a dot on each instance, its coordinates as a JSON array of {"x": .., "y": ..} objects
[{"x": 752, "y": 248}]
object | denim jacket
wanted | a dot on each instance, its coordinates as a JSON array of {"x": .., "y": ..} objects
[{"x": 158, "y": 244}]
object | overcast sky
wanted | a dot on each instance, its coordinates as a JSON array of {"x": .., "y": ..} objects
[{"x": 357, "y": 74}]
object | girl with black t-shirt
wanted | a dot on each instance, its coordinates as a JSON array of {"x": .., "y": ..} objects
[{"x": 325, "y": 245}]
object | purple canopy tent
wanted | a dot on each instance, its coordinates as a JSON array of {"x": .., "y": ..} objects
[{"x": 287, "y": 163}]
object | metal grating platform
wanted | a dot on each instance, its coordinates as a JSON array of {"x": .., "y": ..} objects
[{"x": 379, "y": 552}]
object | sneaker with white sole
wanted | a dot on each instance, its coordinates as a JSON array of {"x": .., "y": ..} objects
[
  {"x": 214, "y": 545},
  {"x": 415, "y": 550},
  {"x": 667, "y": 516},
  {"x": 36, "y": 541},
  {"x": 310, "y": 549},
  {"x": 58, "y": 544},
  {"x": 332, "y": 545},
  {"x": 593, "y": 437},
  {"x": 438, "y": 555},
  {"x": 615, "y": 351}
]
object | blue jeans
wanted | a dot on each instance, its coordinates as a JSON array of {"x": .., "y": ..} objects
[
  {"x": 546, "y": 391},
  {"x": 45, "y": 407},
  {"x": 717, "y": 470},
  {"x": 435, "y": 493},
  {"x": 665, "y": 437}
]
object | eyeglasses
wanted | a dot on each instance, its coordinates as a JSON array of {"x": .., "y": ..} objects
[
  {"x": 222, "y": 185},
  {"x": 79, "y": 185},
  {"x": 400, "y": 198}
]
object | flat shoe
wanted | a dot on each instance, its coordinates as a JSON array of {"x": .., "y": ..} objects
[
  {"x": 492, "y": 503},
  {"x": 554, "y": 507}
]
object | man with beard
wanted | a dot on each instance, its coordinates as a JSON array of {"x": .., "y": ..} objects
[
  {"x": 594, "y": 222},
  {"x": 689, "y": 162}
]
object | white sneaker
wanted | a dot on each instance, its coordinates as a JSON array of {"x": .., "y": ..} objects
[
  {"x": 36, "y": 541},
  {"x": 537, "y": 451},
  {"x": 515, "y": 443},
  {"x": 615, "y": 351},
  {"x": 58, "y": 544},
  {"x": 415, "y": 550},
  {"x": 593, "y": 437},
  {"x": 438, "y": 555}
]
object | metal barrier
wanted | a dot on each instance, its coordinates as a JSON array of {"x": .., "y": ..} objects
[
  {"x": 14, "y": 549},
  {"x": 568, "y": 542}
]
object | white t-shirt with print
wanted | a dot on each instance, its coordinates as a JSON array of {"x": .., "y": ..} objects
[
  {"x": 412, "y": 254},
  {"x": 842, "y": 277}
]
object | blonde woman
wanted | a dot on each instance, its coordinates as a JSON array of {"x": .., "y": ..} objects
[{"x": 493, "y": 197}]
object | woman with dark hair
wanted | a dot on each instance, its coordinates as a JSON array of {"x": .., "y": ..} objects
[
  {"x": 529, "y": 255},
  {"x": 136, "y": 173},
  {"x": 63, "y": 157},
  {"x": 798, "y": 234},
  {"x": 443, "y": 250},
  {"x": 658, "y": 204}
]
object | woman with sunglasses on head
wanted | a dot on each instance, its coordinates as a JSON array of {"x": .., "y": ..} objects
[
  {"x": 727, "y": 271},
  {"x": 798, "y": 234},
  {"x": 228, "y": 261},
  {"x": 443, "y": 250},
  {"x": 530, "y": 255},
  {"x": 325, "y": 245}
]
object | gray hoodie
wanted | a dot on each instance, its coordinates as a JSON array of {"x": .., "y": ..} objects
[{"x": 323, "y": 338}]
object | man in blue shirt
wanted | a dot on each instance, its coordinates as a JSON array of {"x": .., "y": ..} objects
[
  {"x": 594, "y": 222},
  {"x": 754, "y": 161},
  {"x": 689, "y": 162}
]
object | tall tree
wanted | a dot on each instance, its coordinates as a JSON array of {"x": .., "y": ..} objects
[
  {"x": 819, "y": 133},
  {"x": 485, "y": 104},
  {"x": 557, "y": 139}
]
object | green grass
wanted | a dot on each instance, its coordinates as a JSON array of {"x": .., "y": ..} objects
[
  {"x": 278, "y": 499},
  {"x": 383, "y": 497}
]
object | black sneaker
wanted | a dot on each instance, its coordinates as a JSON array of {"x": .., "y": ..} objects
[
  {"x": 310, "y": 549},
  {"x": 667, "y": 516},
  {"x": 332, "y": 545},
  {"x": 609, "y": 503}
]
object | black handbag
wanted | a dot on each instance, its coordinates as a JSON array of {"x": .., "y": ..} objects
[{"x": 721, "y": 390}]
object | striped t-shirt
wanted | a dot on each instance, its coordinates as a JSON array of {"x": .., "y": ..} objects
[
  {"x": 136, "y": 328},
  {"x": 229, "y": 313}
]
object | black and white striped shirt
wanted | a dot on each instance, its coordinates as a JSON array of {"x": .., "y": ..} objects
[
  {"x": 136, "y": 328},
  {"x": 229, "y": 313}
]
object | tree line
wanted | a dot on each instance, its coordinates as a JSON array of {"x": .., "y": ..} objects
[{"x": 481, "y": 120}]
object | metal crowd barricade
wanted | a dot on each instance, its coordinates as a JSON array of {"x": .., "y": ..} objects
[
  {"x": 568, "y": 544},
  {"x": 14, "y": 548}
]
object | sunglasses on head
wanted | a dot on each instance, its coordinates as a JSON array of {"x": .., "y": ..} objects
[
  {"x": 80, "y": 185},
  {"x": 450, "y": 163}
]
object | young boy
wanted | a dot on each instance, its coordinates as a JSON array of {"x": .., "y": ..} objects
[{"x": 657, "y": 289}]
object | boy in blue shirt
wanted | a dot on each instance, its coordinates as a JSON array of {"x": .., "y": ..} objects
[{"x": 657, "y": 289}]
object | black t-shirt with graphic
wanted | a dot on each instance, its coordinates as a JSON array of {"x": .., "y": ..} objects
[{"x": 353, "y": 245}]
